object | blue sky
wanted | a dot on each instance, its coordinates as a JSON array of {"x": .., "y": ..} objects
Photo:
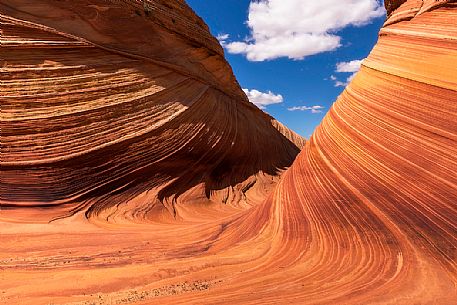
[{"x": 304, "y": 71}]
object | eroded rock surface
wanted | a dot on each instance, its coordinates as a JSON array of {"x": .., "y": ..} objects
[
  {"x": 367, "y": 214},
  {"x": 105, "y": 101}
]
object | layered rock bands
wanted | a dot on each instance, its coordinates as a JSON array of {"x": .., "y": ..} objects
[{"x": 135, "y": 171}]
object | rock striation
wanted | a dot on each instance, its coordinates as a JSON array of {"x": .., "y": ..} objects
[
  {"x": 367, "y": 213},
  {"x": 104, "y": 97},
  {"x": 374, "y": 190}
]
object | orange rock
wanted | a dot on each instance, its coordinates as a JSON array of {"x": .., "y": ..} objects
[
  {"x": 105, "y": 101},
  {"x": 367, "y": 214}
]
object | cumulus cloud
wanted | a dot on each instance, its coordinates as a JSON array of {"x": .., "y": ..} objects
[
  {"x": 349, "y": 66},
  {"x": 352, "y": 66},
  {"x": 299, "y": 28},
  {"x": 222, "y": 38},
  {"x": 263, "y": 99},
  {"x": 313, "y": 109},
  {"x": 339, "y": 83}
]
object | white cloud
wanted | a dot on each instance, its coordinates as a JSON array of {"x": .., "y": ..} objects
[
  {"x": 339, "y": 83},
  {"x": 352, "y": 66},
  {"x": 349, "y": 66},
  {"x": 263, "y": 99},
  {"x": 351, "y": 77},
  {"x": 222, "y": 38},
  {"x": 299, "y": 28},
  {"x": 313, "y": 109}
]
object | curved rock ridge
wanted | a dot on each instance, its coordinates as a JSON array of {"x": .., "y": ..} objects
[
  {"x": 367, "y": 213},
  {"x": 374, "y": 190},
  {"x": 400, "y": 10},
  {"x": 93, "y": 110}
]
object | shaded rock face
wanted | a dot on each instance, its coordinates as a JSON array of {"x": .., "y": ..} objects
[
  {"x": 367, "y": 213},
  {"x": 91, "y": 109},
  {"x": 401, "y": 10},
  {"x": 392, "y": 5}
]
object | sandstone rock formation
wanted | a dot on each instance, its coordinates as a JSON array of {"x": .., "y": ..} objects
[
  {"x": 367, "y": 214},
  {"x": 103, "y": 97}
]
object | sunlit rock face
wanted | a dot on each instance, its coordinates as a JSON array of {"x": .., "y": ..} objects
[
  {"x": 371, "y": 201},
  {"x": 105, "y": 101},
  {"x": 104, "y": 125}
]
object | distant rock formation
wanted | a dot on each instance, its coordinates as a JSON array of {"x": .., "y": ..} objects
[
  {"x": 118, "y": 128},
  {"x": 103, "y": 101}
]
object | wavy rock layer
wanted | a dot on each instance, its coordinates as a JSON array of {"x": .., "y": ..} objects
[
  {"x": 367, "y": 214},
  {"x": 95, "y": 114}
]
